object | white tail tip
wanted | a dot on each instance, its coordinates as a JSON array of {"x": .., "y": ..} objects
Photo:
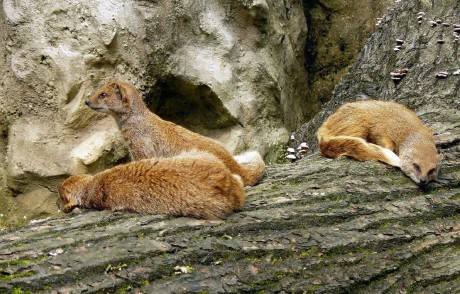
[
  {"x": 248, "y": 157},
  {"x": 392, "y": 158}
]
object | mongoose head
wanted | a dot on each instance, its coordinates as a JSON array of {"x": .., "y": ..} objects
[
  {"x": 115, "y": 98},
  {"x": 70, "y": 192},
  {"x": 421, "y": 162}
]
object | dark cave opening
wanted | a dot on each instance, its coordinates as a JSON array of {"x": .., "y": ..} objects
[{"x": 195, "y": 107}]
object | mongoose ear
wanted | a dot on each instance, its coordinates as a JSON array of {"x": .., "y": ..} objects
[{"x": 121, "y": 92}]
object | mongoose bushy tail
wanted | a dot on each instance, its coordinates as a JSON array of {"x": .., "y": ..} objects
[
  {"x": 253, "y": 166},
  {"x": 357, "y": 148}
]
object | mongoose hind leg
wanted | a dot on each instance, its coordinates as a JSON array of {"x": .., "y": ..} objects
[
  {"x": 387, "y": 143},
  {"x": 357, "y": 148}
]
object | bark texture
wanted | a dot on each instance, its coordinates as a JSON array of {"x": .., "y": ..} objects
[{"x": 318, "y": 225}]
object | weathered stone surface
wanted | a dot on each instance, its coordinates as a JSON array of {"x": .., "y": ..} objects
[
  {"x": 235, "y": 68},
  {"x": 337, "y": 31}
]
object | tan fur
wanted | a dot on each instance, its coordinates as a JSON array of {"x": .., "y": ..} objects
[
  {"x": 195, "y": 184},
  {"x": 384, "y": 131},
  {"x": 149, "y": 136}
]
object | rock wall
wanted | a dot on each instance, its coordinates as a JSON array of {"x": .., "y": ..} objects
[
  {"x": 229, "y": 69},
  {"x": 337, "y": 31}
]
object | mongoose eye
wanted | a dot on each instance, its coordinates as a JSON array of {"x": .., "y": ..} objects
[
  {"x": 417, "y": 167},
  {"x": 432, "y": 172},
  {"x": 102, "y": 95}
]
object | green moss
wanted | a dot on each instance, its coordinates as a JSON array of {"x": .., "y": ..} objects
[
  {"x": 18, "y": 290},
  {"x": 350, "y": 251},
  {"x": 48, "y": 288},
  {"x": 252, "y": 259},
  {"x": 274, "y": 187},
  {"x": 312, "y": 251},
  {"x": 281, "y": 275},
  {"x": 439, "y": 191},
  {"x": 21, "y": 261},
  {"x": 296, "y": 182},
  {"x": 228, "y": 237},
  {"x": 313, "y": 289},
  {"x": 6, "y": 278},
  {"x": 403, "y": 180},
  {"x": 276, "y": 259},
  {"x": 276, "y": 153},
  {"x": 266, "y": 284},
  {"x": 124, "y": 289},
  {"x": 18, "y": 262}
]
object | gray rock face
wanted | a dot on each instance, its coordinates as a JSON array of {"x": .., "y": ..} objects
[
  {"x": 232, "y": 70},
  {"x": 337, "y": 31},
  {"x": 317, "y": 225}
]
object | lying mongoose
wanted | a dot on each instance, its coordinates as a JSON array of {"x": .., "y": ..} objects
[
  {"x": 384, "y": 131},
  {"x": 192, "y": 184},
  {"x": 150, "y": 136}
]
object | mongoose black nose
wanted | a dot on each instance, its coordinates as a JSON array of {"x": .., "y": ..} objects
[
  {"x": 87, "y": 102},
  {"x": 423, "y": 182}
]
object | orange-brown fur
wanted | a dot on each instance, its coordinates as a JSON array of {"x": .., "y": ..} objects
[
  {"x": 384, "y": 131},
  {"x": 149, "y": 136},
  {"x": 192, "y": 184}
]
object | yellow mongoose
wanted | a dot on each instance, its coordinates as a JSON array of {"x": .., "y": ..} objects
[
  {"x": 384, "y": 131},
  {"x": 192, "y": 184},
  {"x": 149, "y": 136}
]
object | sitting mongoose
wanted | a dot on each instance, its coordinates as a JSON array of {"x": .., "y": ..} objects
[
  {"x": 192, "y": 184},
  {"x": 384, "y": 131},
  {"x": 150, "y": 136}
]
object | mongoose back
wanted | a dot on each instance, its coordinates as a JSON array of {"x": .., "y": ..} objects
[
  {"x": 191, "y": 184},
  {"x": 384, "y": 131},
  {"x": 150, "y": 136}
]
